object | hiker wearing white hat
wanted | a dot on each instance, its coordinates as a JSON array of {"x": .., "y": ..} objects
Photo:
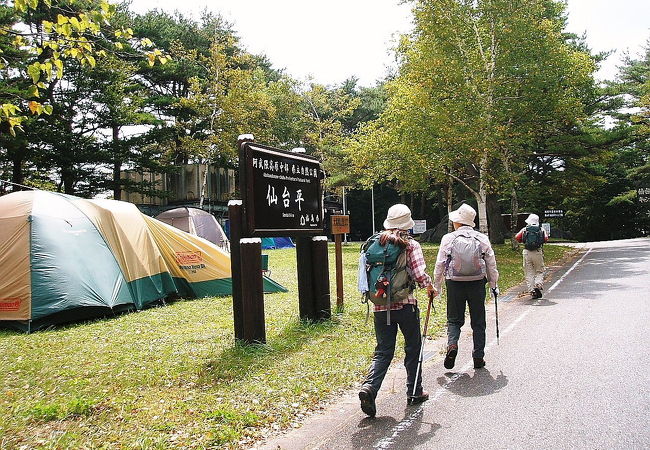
[
  {"x": 397, "y": 307},
  {"x": 533, "y": 237},
  {"x": 466, "y": 261}
]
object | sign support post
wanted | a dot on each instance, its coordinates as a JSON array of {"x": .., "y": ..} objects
[
  {"x": 306, "y": 303},
  {"x": 235, "y": 219},
  {"x": 340, "y": 225},
  {"x": 321, "y": 278},
  {"x": 252, "y": 292}
]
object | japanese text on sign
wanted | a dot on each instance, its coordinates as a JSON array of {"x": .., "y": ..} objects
[
  {"x": 643, "y": 194},
  {"x": 340, "y": 224},
  {"x": 284, "y": 190},
  {"x": 554, "y": 213},
  {"x": 420, "y": 226}
]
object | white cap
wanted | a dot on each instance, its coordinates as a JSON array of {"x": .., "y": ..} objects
[
  {"x": 464, "y": 215},
  {"x": 399, "y": 217},
  {"x": 533, "y": 219}
]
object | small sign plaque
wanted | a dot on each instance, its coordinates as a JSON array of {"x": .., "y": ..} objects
[
  {"x": 643, "y": 194},
  {"x": 340, "y": 224},
  {"x": 420, "y": 226}
]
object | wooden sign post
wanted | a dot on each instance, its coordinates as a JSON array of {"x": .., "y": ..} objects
[
  {"x": 281, "y": 196},
  {"x": 340, "y": 226}
]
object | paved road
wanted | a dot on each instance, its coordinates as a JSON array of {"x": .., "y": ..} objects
[{"x": 572, "y": 371}]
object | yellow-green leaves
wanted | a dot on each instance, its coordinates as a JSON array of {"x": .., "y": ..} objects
[
  {"x": 38, "y": 108},
  {"x": 10, "y": 113},
  {"x": 69, "y": 36},
  {"x": 59, "y": 68},
  {"x": 34, "y": 72}
]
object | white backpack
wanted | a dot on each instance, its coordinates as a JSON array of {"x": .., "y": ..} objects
[{"x": 465, "y": 258}]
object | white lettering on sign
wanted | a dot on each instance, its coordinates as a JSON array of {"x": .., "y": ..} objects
[
  {"x": 270, "y": 195},
  {"x": 286, "y": 198},
  {"x": 299, "y": 199}
]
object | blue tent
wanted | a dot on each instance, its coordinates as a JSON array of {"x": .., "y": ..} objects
[
  {"x": 277, "y": 242},
  {"x": 267, "y": 243}
]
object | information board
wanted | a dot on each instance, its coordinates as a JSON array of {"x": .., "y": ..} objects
[
  {"x": 420, "y": 226},
  {"x": 282, "y": 191},
  {"x": 554, "y": 213},
  {"x": 340, "y": 224}
]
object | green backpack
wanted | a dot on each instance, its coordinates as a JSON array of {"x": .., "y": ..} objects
[
  {"x": 533, "y": 237},
  {"x": 388, "y": 280}
]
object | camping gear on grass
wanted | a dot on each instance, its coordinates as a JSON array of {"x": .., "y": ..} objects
[
  {"x": 64, "y": 258},
  {"x": 272, "y": 243},
  {"x": 197, "y": 222}
]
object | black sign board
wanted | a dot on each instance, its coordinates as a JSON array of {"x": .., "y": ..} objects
[
  {"x": 282, "y": 191},
  {"x": 553, "y": 213}
]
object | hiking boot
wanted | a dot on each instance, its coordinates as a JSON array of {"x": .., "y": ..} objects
[
  {"x": 538, "y": 293},
  {"x": 415, "y": 399},
  {"x": 367, "y": 401},
  {"x": 479, "y": 363},
  {"x": 450, "y": 359}
]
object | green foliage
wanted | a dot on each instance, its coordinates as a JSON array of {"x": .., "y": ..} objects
[
  {"x": 480, "y": 83},
  {"x": 56, "y": 33}
]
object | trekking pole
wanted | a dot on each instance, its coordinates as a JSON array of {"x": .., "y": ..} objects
[
  {"x": 496, "y": 311},
  {"x": 424, "y": 336}
]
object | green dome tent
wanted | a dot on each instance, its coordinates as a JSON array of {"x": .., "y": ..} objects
[{"x": 64, "y": 258}]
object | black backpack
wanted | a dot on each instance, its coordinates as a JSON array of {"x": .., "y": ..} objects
[{"x": 533, "y": 237}]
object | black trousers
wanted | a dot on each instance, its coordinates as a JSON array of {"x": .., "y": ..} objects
[
  {"x": 458, "y": 294},
  {"x": 408, "y": 320}
]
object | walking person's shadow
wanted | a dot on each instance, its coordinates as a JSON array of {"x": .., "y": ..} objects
[
  {"x": 482, "y": 383},
  {"x": 372, "y": 430}
]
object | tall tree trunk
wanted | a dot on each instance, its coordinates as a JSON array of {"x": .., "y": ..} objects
[
  {"x": 450, "y": 201},
  {"x": 17, "y": 154},
  {"x": 67, "y": 178},
  {"x": 17, "y": 175},
  {"x": 117, "y": 164},
  {"x": 481, "y": 197},
  {"x": 498, "y": 229},
  {"x": 423, "y": 203},
  {"x": 204, "y": 183},
  {"x": 412, "y": 201},
  {"x": 514, "y": 204}
]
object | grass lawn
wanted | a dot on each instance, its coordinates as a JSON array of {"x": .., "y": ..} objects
[{"x": 172, "y": 377}]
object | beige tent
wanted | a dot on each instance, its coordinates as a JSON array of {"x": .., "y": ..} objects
[{"x": 63, "y": 258}]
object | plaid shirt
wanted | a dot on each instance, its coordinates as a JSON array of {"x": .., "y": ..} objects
[{"x": 415, "y": 267}]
